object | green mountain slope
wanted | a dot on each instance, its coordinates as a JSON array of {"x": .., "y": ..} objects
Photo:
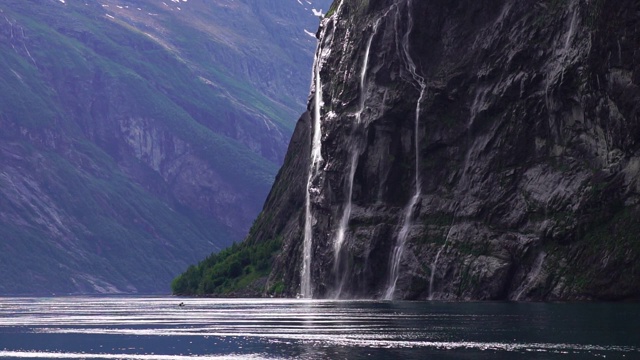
[{"x": 127, "y": 150}]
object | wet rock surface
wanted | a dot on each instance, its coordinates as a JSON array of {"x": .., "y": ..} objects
[{"x": 527, "y": 145}]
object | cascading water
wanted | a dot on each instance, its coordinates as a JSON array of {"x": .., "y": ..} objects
[
  {"x": 354, "y": 150},
  {"x": 464, "y": 185},
  {"x": 557, "y": 72},
  {"x": 306, "y": 286},
  {"x": 533, "y": 275},
  {"x": 306, "y": 290},
  {"x": 434, "y": 264},
  {"x": 478, "y": 103},
  {"x": 572, "y": 25},
  {"x": 407, "y": 221}
]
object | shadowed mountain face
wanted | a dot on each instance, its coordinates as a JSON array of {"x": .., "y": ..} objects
[
  {"x": 463, "y": 150},
  {"x": 138, "y": 136}
]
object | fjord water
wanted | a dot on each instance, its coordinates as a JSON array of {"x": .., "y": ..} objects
[{"x": 158, "y": 328}]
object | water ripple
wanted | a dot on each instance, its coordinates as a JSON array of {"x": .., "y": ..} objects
[{"x": 84, "y": 327}]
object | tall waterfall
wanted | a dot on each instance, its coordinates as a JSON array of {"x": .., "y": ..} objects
[
  {"x": 355, "y": 150},
  {"x": 306, "y": 289},
  {"x": 306, "y": 285},
  {"x": 407, "y": 221}
]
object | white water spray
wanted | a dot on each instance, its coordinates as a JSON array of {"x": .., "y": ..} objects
[
  {"x": 355, "y": 152},
  {"x": 306, "y": 286},
  {"x": 363, "y": 73},
  {"x": 346, "y": 214},
  {"x": 407, "y": 222}
]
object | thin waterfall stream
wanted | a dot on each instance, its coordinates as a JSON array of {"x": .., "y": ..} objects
[
  {"x": 434, "y": 264},
  {"x": 464, "y": 181},
  {"x": 407, "y": 221},
  {"x": 533, "y": 275},
  {"x": 354, "y": 150}
]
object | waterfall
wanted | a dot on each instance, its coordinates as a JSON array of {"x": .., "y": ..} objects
[
  {"x": 407, "y": 221},
  {"x": 306, "y": 285},
  {"x": 398, "y": 251},
  {"x": 434, "y": 264},
  {"x": 363, "y": 73},
  {"x": 306, "y": 289},
  {"x": 342, "y": 227},
  {"x": 557, "y": 73},
  {"x": 533, "y": 275},
  {"x": 354, "y": 150},
  {"x": 572, "y": 26},
  {"x": 478, "y": 103}
]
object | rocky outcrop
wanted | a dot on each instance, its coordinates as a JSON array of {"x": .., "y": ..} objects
[{"x": 480, "y": 150}]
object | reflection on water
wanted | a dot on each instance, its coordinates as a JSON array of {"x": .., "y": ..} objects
[{"x": 158, "y": 328}]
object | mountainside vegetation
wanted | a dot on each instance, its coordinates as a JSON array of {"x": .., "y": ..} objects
[
  {"x": 463, "y": 150},
  {"x": 234, "y": 271},
  {"x": 138, "y": 136}
]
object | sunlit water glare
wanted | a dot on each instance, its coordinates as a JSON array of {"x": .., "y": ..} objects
[{"x": 152, "y": 328}]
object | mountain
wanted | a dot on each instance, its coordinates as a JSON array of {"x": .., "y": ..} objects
[
  {"x": 139, "y": 136},
  {"x": 458, "y": 150}
]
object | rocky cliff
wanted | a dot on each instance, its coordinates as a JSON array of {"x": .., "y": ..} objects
[
  {"x": 138, "y": 136},
  {"x": 465, "y": 150}
]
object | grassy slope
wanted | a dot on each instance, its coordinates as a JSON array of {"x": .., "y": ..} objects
[
  {"x": 159, "y": 86},
  {"x": 120, "y": 230}
]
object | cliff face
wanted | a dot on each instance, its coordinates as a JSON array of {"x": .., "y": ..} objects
[
  {"x": 465, "y": 150},
  {"x": 138, "y": 136}
]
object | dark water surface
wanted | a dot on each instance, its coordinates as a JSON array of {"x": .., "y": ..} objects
[{"x": 157, "y": 328}]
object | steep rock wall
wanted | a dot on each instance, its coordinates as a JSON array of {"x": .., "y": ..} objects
[{"x": 496, "y": 154}]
